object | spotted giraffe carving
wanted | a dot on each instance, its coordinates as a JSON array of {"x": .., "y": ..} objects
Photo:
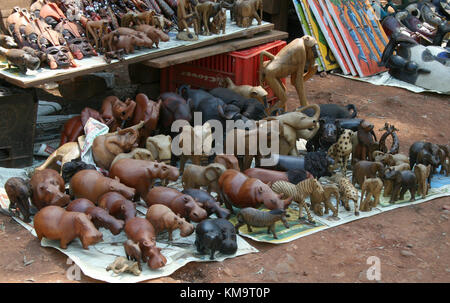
[{"x": 341, "y": 150}]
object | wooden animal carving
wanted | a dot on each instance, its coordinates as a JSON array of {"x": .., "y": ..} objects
[
  {"x": 258, "y": 218},
  {"x": 246, "y": 11},
  {"x": 388, "y": 184},
  {"x": 317, "y": 199},
  {"x": 219, "y": 22},
  {"x": 205, "y": 11},
  {"x": 19, "y": 192},
  {"x": 121, "y": 265},
  {"x": 370, "y": 188},
  {"x": 137, "y": 153},
  {"x": 248, "y": 91},
  {"x": 422, "y": 172},
  {"x": 64, "y": 153},
  {"x": 145, "y": 17},
  {"x": 390, "y": 130},
  {"x": 341, "y": 150},
  {"x": 347, "y": 191},
  {"x": 195, "y": 143},
  {"x": 185, "y": 19},
  {"x": 96, "y": 29},
  {"x": 291, "y": 60},
  {"x": 367, "y": 142},
  {"x": 299, "y": 193},
  {"x": 106, "y": 147},
  {"x": 163, "y": 218}
]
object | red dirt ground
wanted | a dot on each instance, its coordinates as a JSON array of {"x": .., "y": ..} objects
[{"x": 412, "y": 242}]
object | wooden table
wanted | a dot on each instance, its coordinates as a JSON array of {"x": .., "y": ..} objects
[
  {"x": 97, "y": 64},
  {"x": 224, "y": 47}
]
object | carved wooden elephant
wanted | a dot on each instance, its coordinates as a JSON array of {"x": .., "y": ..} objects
[
  {"x": 205, "y": 11},
  {"x": 388, "y": 184},
  {"x": 403, "y": 181},
  {"x": 297, "y": 125},
  {"x": 246, "y": 11},
  {"x": 370, "y": 188},
  {"x": 137, "y": 153},
  {"x": 248, "y": 144},
  {"x": 366, "y": 169},
  {"x": 106, "y": 147},
  {"x": 160, "y": 147},
  {"x": 195, "y": 143},
  {"x": 422, "y": 172},
  {"x": 196, "y": 176}
]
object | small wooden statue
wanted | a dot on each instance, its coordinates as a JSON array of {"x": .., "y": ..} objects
[{"x": 291, "y": 60}]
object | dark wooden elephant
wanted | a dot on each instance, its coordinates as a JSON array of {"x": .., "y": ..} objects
[
  {"x": 173, "y": 108},
  {"x": 403, "y": 181},
  {"x": 366, "y": 169},
  {"x": 425, "y": 153}
]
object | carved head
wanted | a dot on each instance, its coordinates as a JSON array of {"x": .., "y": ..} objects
[
  {"x": 193, "y": 209},
  {"x": 186, "y": 228},
  {"x": 86, "y": 230},
  {"x": 127, "y": 139},
  {"x": 265, "y": 195},
  {"x": 60, "y": 55},
  {"x": 152, "y": 255}
]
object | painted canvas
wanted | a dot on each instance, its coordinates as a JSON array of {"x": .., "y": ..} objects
[
  {"x": 307, "y": 30},
  {"x": 364, "y": 47},
  {"x": 325, "y": 51},
  {"x": 329, "y": 36},
  {"x": 337, "y": 36}
]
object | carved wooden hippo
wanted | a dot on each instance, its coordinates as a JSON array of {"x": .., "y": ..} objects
[
  {"x": 55, "y": 223},
  {"x": 91, "y": 184},
  {"x": 183, "y": 205},
  {"x": 100, "y": 217},
  {"x": 241, "y": 191},
  {"x": 207, "y": 202},
  {"x": 118, "y": 206},
  {"x": 163, "y": 218},
  {"x": 48, "y": 189},
  {"x": 142, "y": 232},
  {"x": 140, "y": 174}
]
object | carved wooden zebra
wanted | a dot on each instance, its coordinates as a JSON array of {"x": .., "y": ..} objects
[{"x": 299, "y": 193}]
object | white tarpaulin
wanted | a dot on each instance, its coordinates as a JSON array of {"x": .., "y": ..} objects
[
  {"x": 93, "y": 262},
  {"x": 386, "y": 79}
]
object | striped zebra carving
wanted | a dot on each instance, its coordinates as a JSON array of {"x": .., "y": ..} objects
[{"x": 299, "y": 193}]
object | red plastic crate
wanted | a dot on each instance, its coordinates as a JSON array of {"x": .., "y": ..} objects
[{"x": 240, "y": 66}]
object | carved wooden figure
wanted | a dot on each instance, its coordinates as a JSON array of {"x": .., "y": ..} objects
[
  {"x": 291, "y": 60},
  {"x": 299, "y": 193},
  {"x": 370, "y": 188}
]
